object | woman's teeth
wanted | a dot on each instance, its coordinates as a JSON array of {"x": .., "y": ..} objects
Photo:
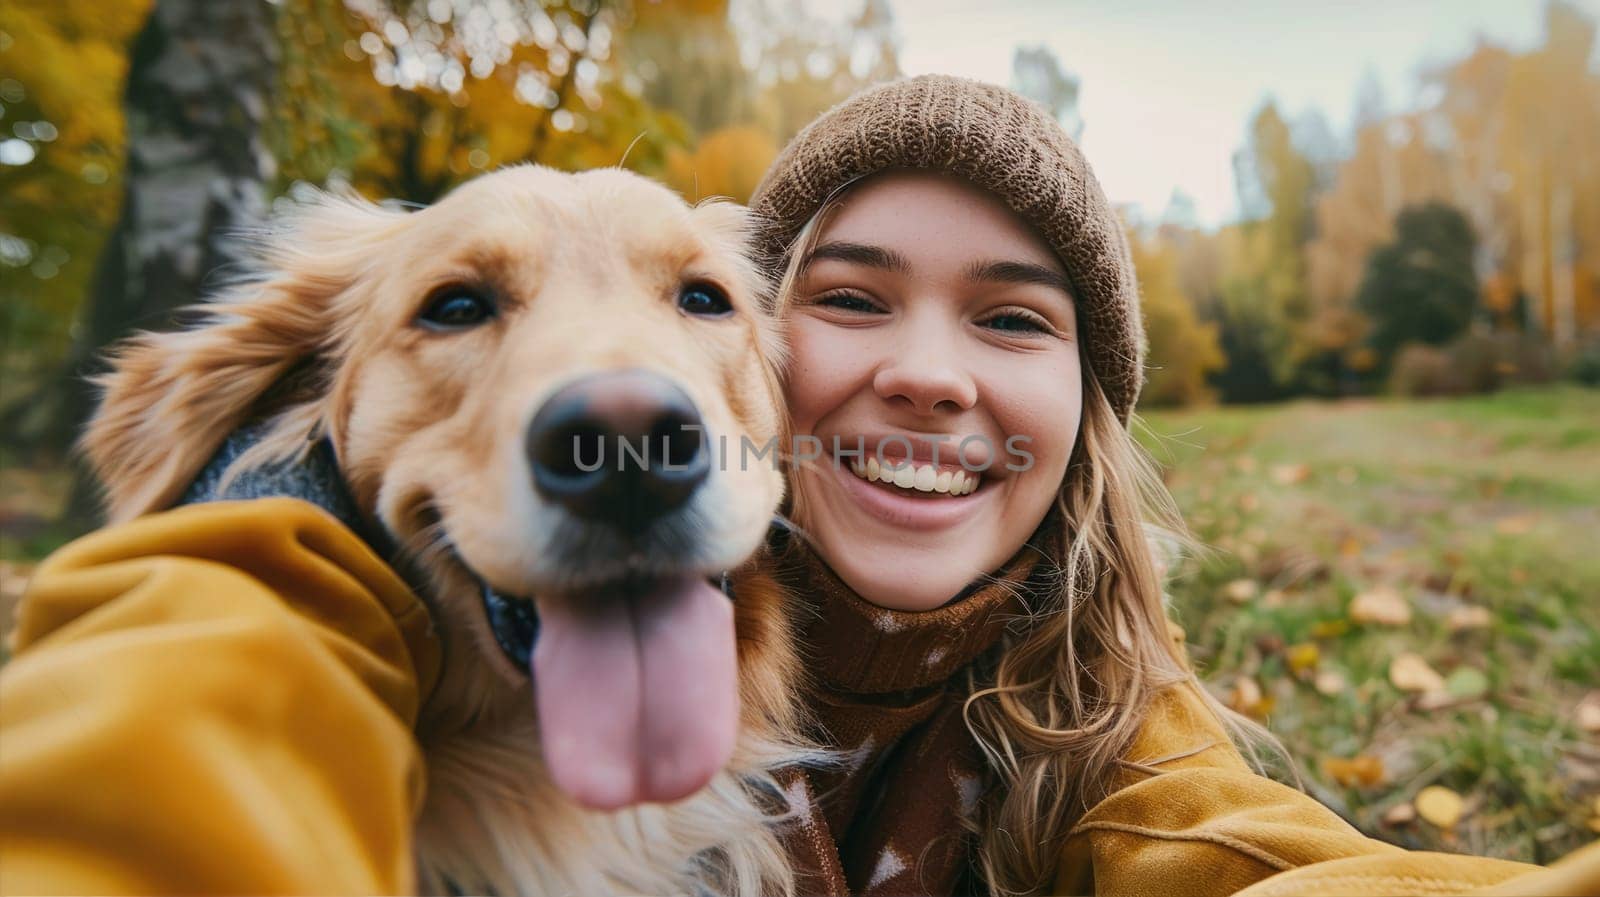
[{"x": 917, "y": 477}]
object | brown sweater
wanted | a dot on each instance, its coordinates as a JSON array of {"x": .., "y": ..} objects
[{"x": 887, "y": 688}]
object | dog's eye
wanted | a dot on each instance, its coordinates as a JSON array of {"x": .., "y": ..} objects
[
  {"x": 455, "y": 309},
  {"x": 705, "y": 300}
]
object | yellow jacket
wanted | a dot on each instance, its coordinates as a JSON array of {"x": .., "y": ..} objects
[{"x": 220, "y": 699}]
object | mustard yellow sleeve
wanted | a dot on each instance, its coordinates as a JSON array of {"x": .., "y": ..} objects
[
  {"x": 215, "y": 699},
  {"x": 1188, "y": 816}
]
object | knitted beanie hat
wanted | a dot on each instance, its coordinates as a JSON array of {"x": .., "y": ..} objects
[{"x": 1002, "y": 143}]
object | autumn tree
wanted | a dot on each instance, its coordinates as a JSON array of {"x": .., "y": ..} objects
[
  {"x": 802, "y": 64},
  {"x": 1549, "y": 144},
  {"x": 1392, "y": 166},
  {"x": 684, "y": 56},
  {"x": 1263, "y": 310},
  {"x": 200, "y": 79},
  {"x": 62, "y": 68},
  {"x": 1184, "y": 351},
  {"x": 1508, "y": 138},
  {"x": 1037, "y": 74},
  {"x": 791, "y": 66},
  {"x": 728, "y": 162},
  {"x": 406, "y": 99},
  {"x": 1422, "y": 287}
]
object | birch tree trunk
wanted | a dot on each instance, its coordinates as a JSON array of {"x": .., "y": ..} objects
[
  {"x": 200, "y": 80},
  {"x": 1563, "y": 285}
]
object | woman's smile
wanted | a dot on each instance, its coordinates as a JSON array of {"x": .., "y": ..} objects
[
  {"x": 914, "y": 479},
  {"x": 908, "y": 508}
]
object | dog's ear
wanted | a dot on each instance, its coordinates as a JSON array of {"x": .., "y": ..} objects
[{"x": 170, "y": 399}]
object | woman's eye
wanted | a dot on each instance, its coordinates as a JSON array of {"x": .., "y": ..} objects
[
  {"x": 1012, "y": 322},
  {"x": 848, "y": 302},
  {"x": 704, "y": 300},
  {"x": 457, "y": 309}
]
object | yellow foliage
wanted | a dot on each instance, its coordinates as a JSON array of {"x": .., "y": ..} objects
[
  {"x": 1183, "y": 350},
  {"x": 1303, "y": 657},
  {"x": 70, "y": 57},
  {"x": 1409, "y": 672},
  {"x": 728, "y": 162},
  {"x": 1247, "y": 698},
  {"x": 1383, "y": 606},
  {"x": 1363, "y": 771},
  {"x": 1440, "y": 806},
  {"x": 416, "y": 143}
]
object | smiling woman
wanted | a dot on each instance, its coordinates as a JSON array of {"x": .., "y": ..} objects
[
  {"x": 988, "y": 641},
  {"x": 929, "y": 316}
]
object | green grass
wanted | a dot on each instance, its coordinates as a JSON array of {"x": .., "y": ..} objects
[{"x": 1489, "y": 502}]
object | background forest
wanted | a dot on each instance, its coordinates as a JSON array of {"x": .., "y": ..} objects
[{"x": 1373, "y": 390}]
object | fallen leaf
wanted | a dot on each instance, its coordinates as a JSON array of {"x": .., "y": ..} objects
[
  {"x": 1470, "y": 617},
  {"x": 1440, "y": 806},
  {"x": 1329, "y": 628},
  {"x": 1302, "y": 657},
  {"x": 1290, "y": 474},
  {"x": 1410, "y": 673},
  {"x": 1248, "y": 699},
  {"x": 1384, "y": 606},
  {"x": 1589, "y": 719},
  {"x": 1438, "y": 700},
  {"x": 13, "y": 579},
  {"x": 1515, "y": 525},
  {"x": 1400, "y": 814},
  {"x": 1240, "y": 591},
  {"x": 1349, "y": 547},
  {"x": 1363, "y": 770},
  {"x": 1330, "y": 683},
  {"x": 1270, "y": 643}
]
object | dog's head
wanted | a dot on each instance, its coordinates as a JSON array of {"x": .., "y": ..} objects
[{"x": 546, "y": 387}]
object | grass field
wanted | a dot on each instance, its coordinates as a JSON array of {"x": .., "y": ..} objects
[
  {"x": 1452, "y": 547},
  {"x": 1408, "y": 594}
]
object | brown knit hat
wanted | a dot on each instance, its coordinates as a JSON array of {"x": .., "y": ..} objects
[{"x": 1001, "y": 142}]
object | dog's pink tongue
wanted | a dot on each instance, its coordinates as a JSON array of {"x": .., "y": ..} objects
[{"x": 638, "y": 699}]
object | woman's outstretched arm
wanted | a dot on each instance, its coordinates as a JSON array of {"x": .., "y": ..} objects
[
  {"x": 1189, "y": 816},
  {"x": 215, "y": 699}
]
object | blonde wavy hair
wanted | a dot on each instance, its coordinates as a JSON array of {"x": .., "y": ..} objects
[{"x": 1057, "y": 714}]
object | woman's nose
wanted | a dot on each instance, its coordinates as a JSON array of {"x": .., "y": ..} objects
[{"x": 926, "y": 372}]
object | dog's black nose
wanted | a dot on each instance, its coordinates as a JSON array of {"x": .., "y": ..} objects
[{"x": 623, "y": 447}]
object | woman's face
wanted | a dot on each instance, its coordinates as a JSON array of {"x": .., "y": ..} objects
[{"x": 929, "y": 315}]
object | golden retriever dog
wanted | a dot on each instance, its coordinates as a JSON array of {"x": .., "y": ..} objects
[{"x": 468, "y": 366}]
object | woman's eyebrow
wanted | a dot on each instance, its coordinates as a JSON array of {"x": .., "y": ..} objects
[
  {"x": 1018, "y": 272},
  {"x": 861, "y": 254}
]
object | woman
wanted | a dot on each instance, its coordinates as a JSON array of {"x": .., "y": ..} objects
[
  {"x": 925, "y": 315},
  {"x": 989, "y": 643}
]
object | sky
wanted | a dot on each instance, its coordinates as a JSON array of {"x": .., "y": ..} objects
[{"x": 1167, "y": 87}]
